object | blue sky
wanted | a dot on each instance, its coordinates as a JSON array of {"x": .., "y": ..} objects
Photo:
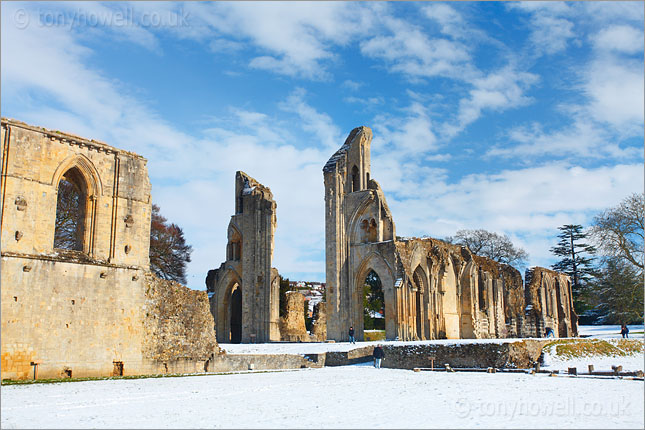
[{"x": 512, "y": 117}]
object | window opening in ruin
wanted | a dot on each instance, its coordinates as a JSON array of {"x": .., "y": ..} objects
[
  {"x": 547, "y": 302},
  {"x": 70, "y": 211},
  {"x": 365, "y": 226},
  {"x": 118, "y": 368},
  {"x": 481, "y": 291},
  {"x": 355, "y": 179},
  {"x": 236, "y": 314},
  {"x": 373, "y": 231},
  {"x": 417, "y": 277},
  {"x": 562, "y": 326},
  {"x": 373, "y": 303}
]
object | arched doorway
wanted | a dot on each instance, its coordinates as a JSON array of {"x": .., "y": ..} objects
[
  {"x": 235, "y": 313},
  {"x": 419, "y": 279},
  {"x": 373, "y": 302}
]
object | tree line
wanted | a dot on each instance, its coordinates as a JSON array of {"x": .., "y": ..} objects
[{"x": 604, "y": 261}]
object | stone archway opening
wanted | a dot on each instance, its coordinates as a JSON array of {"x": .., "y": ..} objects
[
  {"x": 235, "y": 314},
  {"x": 373, "y": 302},
  {"x": 70, "y": 211}
]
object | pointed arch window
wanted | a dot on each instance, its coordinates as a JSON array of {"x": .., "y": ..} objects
[
  {"x": 71, "y": 210},
  {"x": 356, "y": 179}
]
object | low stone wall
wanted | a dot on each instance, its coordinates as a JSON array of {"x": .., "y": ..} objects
[
  {"x": 240, "y": 362},
  {"x": 521, "y": 354}
]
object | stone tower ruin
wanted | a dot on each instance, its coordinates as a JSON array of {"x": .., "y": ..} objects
[
  {"x": 244, "y": 290},
  {"x": 431, "y": 289}
]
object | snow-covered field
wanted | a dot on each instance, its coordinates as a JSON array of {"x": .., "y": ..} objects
[
  {"x": 356, "y": 396},
  {"x": 610, "y": 331},
  {"x": 341, "y": 397}
]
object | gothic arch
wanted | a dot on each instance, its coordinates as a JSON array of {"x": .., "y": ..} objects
[
  {"x": 374, "y": 261},
  {"x": 86, "y": 167},
  {"x": 223, "y": 292},
  {"x": 88, "y": 182},
  {"x": 354, "y": 225},
  {"x": 234, "y": 245}
]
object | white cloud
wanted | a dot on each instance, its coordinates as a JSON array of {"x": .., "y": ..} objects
[
  {"x": 296, "y": 38},
  {"x": 500, "y": 90},
  {"x": 581, "y": 138},
  {"x": 614, "y": 86},
  {"x": 525, "y": 203},
  {"x": 352, "y": 85},
  {"x": 400, "y": 138},
  {"x": 551, "y": 29},
  {"x": 622, "y": 38},
  {"x": 408, "y": 50},
  {"x": 320, "y": 124}
]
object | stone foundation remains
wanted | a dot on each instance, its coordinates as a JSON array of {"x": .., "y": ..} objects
[{"x": 292, "y": 325}]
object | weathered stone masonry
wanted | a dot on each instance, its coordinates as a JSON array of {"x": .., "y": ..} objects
[
  {"x": 244, "y": 290},
  {"x": 432, "y": 289},
  {"x": 88, "y": 311}
]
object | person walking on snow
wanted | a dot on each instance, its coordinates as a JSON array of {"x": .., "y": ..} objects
[
  {"x": 624, "y": 331},
  {"x": 351, "y": 335},
  {"x": 378, "y": 355}
]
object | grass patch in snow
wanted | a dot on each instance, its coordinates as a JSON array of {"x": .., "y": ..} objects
[
  {"x": 576, "y": 348},
  {"x": 373, "y": 335}
]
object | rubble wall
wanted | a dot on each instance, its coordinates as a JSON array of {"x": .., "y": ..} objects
[{"x": 292, "y": 325}]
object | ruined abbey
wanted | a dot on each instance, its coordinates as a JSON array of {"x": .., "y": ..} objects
[
  {"x": 432, "y": 289},
  {"x": 78, "y": 298}
]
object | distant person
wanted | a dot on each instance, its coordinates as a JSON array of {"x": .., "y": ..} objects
[
  {"x": 549, "y": 332},
  {"x": 351, "y": 335},
  {"x": 378, "y": 355},
  {"x": 624, "y": 331}
]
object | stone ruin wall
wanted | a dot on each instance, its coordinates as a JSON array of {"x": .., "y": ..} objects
[
  {"x": 81, "y": 313},
  {"x": 432, "y": 289},
  {"x": 178, "y": 327},
  {"x": 549, "y": 303},
  {"x": 247, "y": 269},
  {"x": 292, "y": 324}
]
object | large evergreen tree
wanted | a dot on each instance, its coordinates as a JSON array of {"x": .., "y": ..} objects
[
  {"x": 169, "y": 253},
  {"x": 618, "y": 293},
  {"x": 576, "y": 257}
]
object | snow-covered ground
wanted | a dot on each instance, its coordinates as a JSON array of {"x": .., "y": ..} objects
[
  {"x": 320, "y": 347},
  {"x": 601, "y": 363},
  {"x": 610, "y": 331},
  {"x": 356, "y": 396},
  {"x": 337, "y": 397}
]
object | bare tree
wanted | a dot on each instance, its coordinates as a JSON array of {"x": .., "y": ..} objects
[
  {"x": 70, "y": 216},
  {"x": 169, "y": 253},
  {"x": 618, "y": 231},
  {"x": 492, "y": 245}
]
